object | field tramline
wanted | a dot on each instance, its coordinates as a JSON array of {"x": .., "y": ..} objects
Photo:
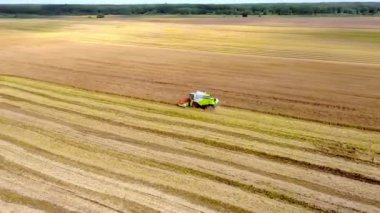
[{"x": 95, "y": 151}]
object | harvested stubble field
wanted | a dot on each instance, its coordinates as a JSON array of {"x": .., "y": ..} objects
[
  {"x": 67, "y": 149},
  {"x": 321, "y": 69}
]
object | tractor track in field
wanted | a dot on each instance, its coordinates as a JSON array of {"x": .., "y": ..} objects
[
  {"x": 336, "y": 171},
  {"x": 103, "y": 172},
  {"x": 122, "y": 177},
  {"x": 254, "y": 96},
  {"x": 120, "y": 114},
  {"x": 254, "y": 83},
  {"x": 306, "y": 184},
  {"x": 184, "y": 170},
  {"x": 225, "y": 132},
  {"x": 73, "y": 140},
  {"x": 88, "y": 124},
  {"x": 160, "y": 148}
]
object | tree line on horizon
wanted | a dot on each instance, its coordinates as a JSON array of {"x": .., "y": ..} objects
[{"x": 358, "y": 8}]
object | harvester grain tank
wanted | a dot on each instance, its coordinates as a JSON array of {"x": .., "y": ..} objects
[{"x": 199, "y": 99}]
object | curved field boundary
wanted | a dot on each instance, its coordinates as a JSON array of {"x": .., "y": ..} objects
[{"x": 102, "y": 151}]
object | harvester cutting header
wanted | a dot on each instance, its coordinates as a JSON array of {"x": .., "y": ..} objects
[{"x": 199, "y": 99}]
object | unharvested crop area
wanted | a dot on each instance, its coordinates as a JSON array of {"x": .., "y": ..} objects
[
  {"x": 66, "y": 149},
  {"x": 321, "y": 69}
]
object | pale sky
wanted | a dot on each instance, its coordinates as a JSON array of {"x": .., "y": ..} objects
[{"x": 165, "y": 1}]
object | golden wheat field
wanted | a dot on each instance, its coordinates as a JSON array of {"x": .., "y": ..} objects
[
  {"x": 321, "y": 69},
  {"x": 88, "y": 121},
  {"x": 66, "y": 149}
]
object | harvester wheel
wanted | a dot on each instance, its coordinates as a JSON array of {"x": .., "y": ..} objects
[{"x": 209, "y": 107}]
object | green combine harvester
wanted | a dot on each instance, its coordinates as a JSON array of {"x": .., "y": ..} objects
[{"x": 199, "y": 99}]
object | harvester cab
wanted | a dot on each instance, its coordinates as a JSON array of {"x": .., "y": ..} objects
[{"x": 199, "y": 99}]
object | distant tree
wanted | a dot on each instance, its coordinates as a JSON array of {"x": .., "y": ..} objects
[
  {"x": 284, "y": 11},
  {"x": 184, "y": 11},
  {"x": 364, "y": 8}
]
